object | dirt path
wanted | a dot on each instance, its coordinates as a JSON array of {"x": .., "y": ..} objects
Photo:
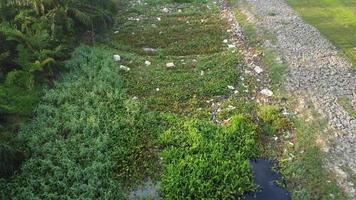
[{"x": 316, "y": 70}]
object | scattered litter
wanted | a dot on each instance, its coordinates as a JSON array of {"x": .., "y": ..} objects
[
  {"x": 226, "y": 121},
  {"x": 170, "y": 65},
  {"x": 147, "y": 63},
  {"x": 134, "y": 98},
  {"x": 202, "y": 73},
  {"x": 150, "y": 50},
  {"x": 236, "y": 92},
  {"x": 179, "y": 10},
  {"x": 166, "y": 10},
  {"x": 158, "y": 18},
  {"x": 231, "y": 87},
  {"x": 122, "y": 67},
  {"x": 157, "y": 89},
  {"x": 275, "y": 138},
  {"x": 285, "y": 112},
  {"x": 225, "y": 41},
  {"x": 231, "y": 46},
  {"x": 258, "y": 69},
  {"x": 117, "y": 57},
  {"x": 267, "y": 92},
  {"x": 116, "y": 32}
]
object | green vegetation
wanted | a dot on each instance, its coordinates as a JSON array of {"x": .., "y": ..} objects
[
  {"x": 93, "y": 137},
  {"x": 88, "y": 136},
  {"x": 301, "y": 160},
  {"x": 36, "y": 37},
  {"x": 335, "y": 19},
  {"x": 302, "y": 165},
  {"x": 202, "y": 160},
  {"x": 346, "y": 104},
  {"x": 272, "y": 120}
]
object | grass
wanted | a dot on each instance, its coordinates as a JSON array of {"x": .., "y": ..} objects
[
  {"x": 346, "y": 104},
  {"x": 193, "y": 149},
  {"x": 336, "y": 19},
  {"x": 303, "y": 163}
]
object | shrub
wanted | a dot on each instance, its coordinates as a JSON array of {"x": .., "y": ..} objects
[
  {"x": 272, "y": 120},
  {"x": 202, "y": 160}
]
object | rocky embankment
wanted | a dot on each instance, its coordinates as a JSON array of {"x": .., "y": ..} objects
[{"x": 315, "y": 69}]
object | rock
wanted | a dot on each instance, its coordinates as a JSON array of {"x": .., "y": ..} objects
[
  {"x": 267, "y": 92},
  {"x": 258, "y": 69},
  {"x": 231, "y": 87},
  {"x": 117, "y": 58},
  {"x": 124, "y": 68},
  {"x": 170, "y": 65},
  {"x": 147, "y": 63}
]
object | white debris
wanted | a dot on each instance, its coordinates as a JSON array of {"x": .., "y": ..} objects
[
  {"x": 170, "y": 65},
  {"x": 116, "y": 32},
  {"x": 267, "y": 92},
  {"x": 236, "y": 92},
  {"x": 166, "y": 10},
  {"x": 157, "y": 89},
  {"x": 202, "y": 73},
  {"x": 231, "y": 87},
  {"x": 158, "y": 19},
  {"x": 179, "y": 10},
  {"x": 151, "y": 50},
  {"x": 147, "y": 63},
  {"x": 122, "y": 67},
  {"x": 225, "y": 41},
  {"x": 117, "y": 57},
  {"x": 231, "y": 46},
  {"x": 258, "y": 69}
]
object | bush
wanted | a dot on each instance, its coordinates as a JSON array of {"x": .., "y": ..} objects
[
  {"x": 272, "y": 120},
  {"x": 202, "y": 160},
  {"x": 87, "y": 136}
]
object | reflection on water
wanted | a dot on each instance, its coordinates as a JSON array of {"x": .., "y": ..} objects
[{"x": 266, "y": 178}]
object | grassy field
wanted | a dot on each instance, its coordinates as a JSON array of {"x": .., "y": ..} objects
[{"x": 336, "y": 19}]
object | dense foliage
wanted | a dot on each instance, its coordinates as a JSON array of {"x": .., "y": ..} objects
[
  {"x": 202, "y": 160},
  {"x": 87, "y": 137},
  {"x": 36, "y": 36}
]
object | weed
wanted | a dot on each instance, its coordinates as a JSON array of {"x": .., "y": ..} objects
[
  {"x": 202, "y": 160},
  {"x": 346, "y": 104}
]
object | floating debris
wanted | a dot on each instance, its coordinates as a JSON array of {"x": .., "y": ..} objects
[
  {"x": 170, "y": 65},
  {"x": 267, "y": 92},
  {"x": 258, "y": 69},
  {"x": 117, "y": 58},
  {"x": 123, "y": 67},
  {"x": 147, "y": 63},
  {"x": 231, "y": 87}
]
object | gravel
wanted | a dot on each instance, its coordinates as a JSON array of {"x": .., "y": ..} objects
[{"x": 317, "y": 69}]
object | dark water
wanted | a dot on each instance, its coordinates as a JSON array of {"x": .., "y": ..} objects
[{"x": 266, "y": 178}]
